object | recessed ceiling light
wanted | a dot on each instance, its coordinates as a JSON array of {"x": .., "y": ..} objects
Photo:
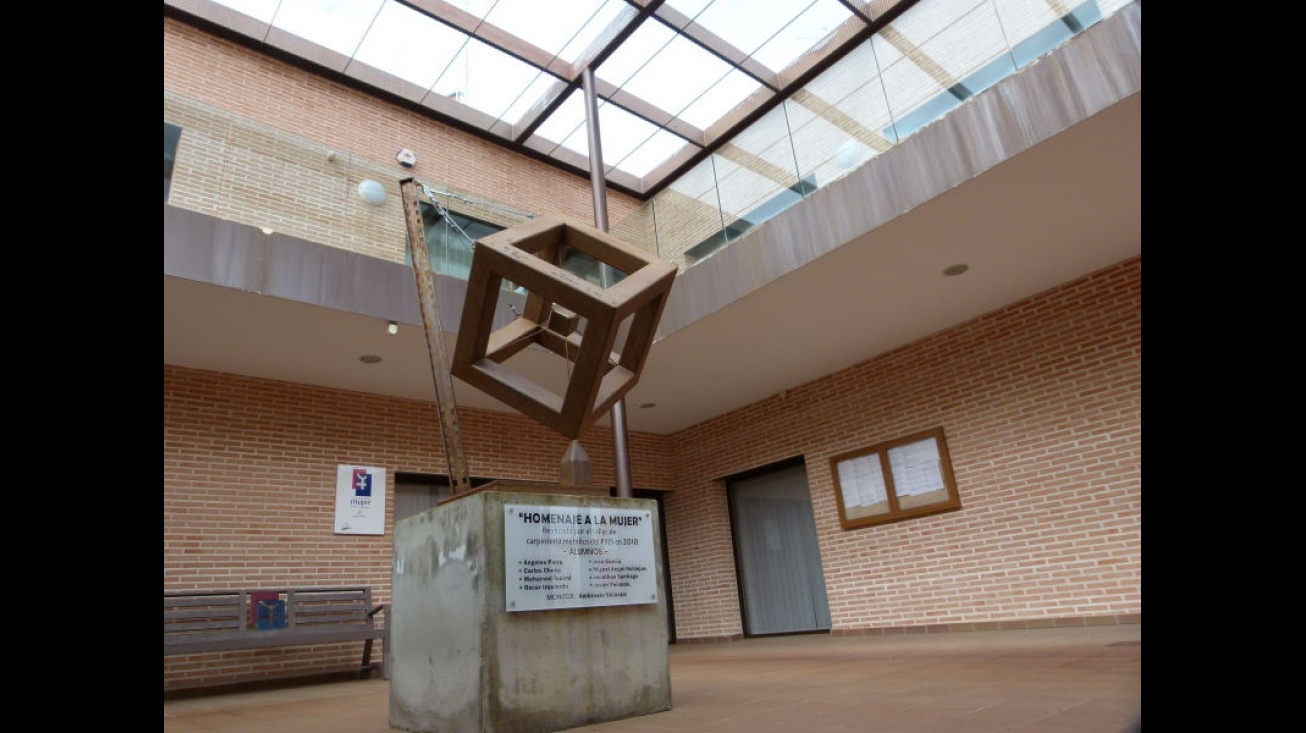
[
  {"x": 647, "y": 405},
  {"x": 369, "y": 358},
  {"x": 955, "y": 270}
]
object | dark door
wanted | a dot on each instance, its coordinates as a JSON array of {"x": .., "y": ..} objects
[
  {"x": 781, "y": 583},
  {"x": 666, "y": 566}
]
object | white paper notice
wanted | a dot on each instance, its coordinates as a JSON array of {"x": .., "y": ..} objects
[
  {"x": 573, "y": 557},
  {"x": 916, "y": 468},
  {"x": 862, "y": 481}
]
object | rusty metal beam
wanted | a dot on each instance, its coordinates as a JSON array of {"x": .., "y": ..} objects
[{"x": 450, "y": 431}]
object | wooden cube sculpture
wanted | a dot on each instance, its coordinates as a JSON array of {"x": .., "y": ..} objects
[{"x": 530, "y": 255}]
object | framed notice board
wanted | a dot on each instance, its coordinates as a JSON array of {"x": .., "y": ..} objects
[{"x": 895, "y": 480}]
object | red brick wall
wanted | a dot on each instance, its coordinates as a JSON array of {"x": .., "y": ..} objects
[
  {"x": 1041, "y": 404},
  {"x": 249, "y": 472}
]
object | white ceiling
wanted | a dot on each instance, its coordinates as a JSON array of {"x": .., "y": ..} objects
[{"x": 865, "y": 298}]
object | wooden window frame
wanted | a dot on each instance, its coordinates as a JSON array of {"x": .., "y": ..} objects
[{"x": 871, "y": 471}]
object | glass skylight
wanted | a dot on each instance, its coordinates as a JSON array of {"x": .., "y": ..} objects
[
  {"x": 775, "y": 37},
  {"x": 339, "y": 26},
  {"x": 677, "y": 80},
  {"x": 563, "y": 29},
  {"x": 674, "y": 79},
  {"x": 410, "y": 45},
  {"x": 694, "y": 69},
  {"x": 485, "y": 79}
]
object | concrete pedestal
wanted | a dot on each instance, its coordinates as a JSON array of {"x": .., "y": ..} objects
[{"x": 463, "y": 662}]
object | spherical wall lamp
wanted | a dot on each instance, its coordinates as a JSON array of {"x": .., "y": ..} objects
[{"x": 372, "y": 192}]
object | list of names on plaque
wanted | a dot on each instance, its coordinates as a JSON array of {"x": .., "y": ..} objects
[{"x": 573, "y": 557}]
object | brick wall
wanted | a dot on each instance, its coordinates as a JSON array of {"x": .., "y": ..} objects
[
  {"x": 1041, "y": 405},
  {"x": 249, "y": 473}
]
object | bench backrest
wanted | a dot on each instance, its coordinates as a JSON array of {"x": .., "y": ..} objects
[
  {"x": 325, "y": 606},
  {"x": 218, "y": 612},
  {"x": 201, "y": 613}
]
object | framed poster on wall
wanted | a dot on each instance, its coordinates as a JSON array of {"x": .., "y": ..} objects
[{"x": 360, "y": 500}]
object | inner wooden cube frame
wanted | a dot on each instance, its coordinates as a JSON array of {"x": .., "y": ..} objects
[{"x": 530, "y": 255}]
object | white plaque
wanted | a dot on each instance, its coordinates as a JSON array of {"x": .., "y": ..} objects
[
  {"x": 574, "y": 557},
  {"x": 360, "y": 500}
]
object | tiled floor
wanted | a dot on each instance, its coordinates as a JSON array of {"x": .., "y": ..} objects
[{"x": 1061, "y": 680}]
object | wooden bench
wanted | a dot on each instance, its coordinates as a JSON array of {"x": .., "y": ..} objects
[{"x": 218, "y": 621}]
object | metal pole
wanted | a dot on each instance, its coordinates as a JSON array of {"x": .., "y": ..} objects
[{"x": 620, "y": 449}]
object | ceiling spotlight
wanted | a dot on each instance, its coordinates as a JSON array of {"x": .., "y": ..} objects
[
  {"x": 955, "y": 270},
  {"x": 392, "y": 328},
  {"x": 370, "y": 359},
  {"x": 372, "y": 192}
]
